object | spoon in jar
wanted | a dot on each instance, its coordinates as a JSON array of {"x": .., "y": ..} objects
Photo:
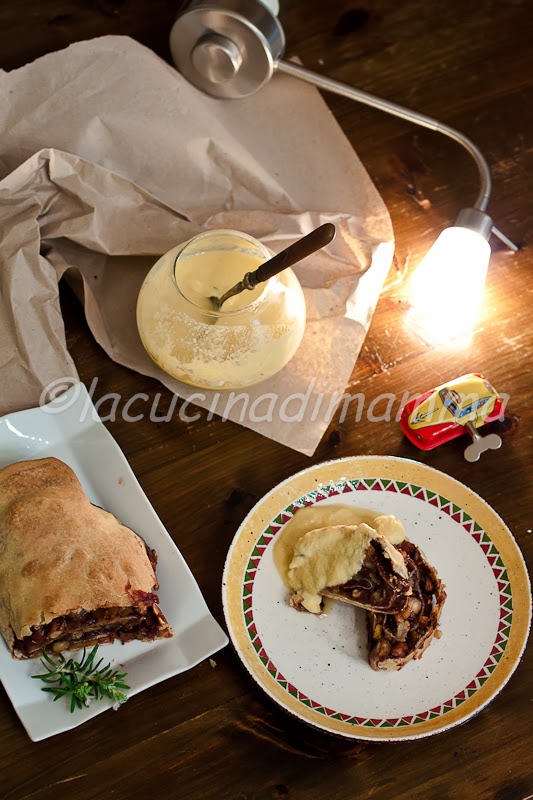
[{"x": 304, "y": 247}]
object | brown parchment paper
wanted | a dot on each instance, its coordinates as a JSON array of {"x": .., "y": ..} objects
[{"x": 109, "y": 158}]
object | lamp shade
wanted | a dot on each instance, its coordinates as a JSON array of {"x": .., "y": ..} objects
[{"x": 447, "y": 288}]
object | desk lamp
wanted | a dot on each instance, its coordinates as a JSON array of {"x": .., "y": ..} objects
[{"x": 231, "y": 48}]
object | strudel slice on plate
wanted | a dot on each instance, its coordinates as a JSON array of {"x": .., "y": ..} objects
[
  {"x": 394, "y": 639},
  {"x": 71, "y": 575},
  {"x": 350, "y": 563}
]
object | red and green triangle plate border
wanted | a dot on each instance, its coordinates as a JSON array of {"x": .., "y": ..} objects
[{"x": 420, "y": 493}]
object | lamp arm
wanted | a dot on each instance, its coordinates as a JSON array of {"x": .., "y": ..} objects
[{"x": 296, "y": 71}]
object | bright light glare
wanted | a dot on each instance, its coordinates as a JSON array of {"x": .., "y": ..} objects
[{"x": 447, "y": 287}]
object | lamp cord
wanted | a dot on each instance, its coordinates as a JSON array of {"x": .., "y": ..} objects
[{"x": 481, "y": 202}]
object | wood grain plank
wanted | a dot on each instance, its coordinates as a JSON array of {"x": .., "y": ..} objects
[{"x": 211, "y": 733}]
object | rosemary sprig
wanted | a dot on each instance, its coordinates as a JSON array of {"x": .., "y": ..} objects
[{"x": 82, "y": 680}]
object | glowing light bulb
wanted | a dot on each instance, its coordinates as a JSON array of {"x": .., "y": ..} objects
[{"x": 447, "y": 287}]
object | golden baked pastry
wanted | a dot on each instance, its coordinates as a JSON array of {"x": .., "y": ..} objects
[
  {"x": 377, "y": 568},
  {"x": 351, "y": 563},
  {"x": 71, "y": 575}
]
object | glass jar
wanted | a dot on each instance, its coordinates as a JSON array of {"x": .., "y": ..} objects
[{"x": 253, "y": 335}]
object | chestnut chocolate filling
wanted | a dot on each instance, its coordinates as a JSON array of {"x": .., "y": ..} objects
[
  {"x": 101, "y": 626},
  {"x": 376, "y": 585},
  {"x": 400, "y": 635}
]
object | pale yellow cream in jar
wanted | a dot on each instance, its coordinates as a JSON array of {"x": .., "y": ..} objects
[{"x": 251, "y": 338}]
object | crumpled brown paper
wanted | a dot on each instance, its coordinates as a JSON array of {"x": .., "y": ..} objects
[{"x": 136, "y": 160}]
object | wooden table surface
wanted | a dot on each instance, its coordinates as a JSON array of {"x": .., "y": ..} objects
[{"x": 211, "y": 733}]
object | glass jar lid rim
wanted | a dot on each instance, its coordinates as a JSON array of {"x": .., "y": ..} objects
[{"x": 229, "y": 233}]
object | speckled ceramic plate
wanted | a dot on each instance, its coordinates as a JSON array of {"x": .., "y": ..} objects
[{"x": 317, "y": 667}]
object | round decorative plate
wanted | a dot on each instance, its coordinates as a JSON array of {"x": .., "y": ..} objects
[{"x": 316, "y": 667}]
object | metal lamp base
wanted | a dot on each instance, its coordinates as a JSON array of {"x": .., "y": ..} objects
[
  {"x": 228, "y": 48},
  {"x": 231, "y": 48}
]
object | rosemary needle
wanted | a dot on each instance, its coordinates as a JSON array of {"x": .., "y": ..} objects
[{"x": 82, "y": 681}]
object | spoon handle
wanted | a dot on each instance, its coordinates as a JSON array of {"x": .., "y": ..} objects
[{"x": 318, "y": 238}]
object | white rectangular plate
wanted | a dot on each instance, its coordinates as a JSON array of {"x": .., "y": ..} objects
[{"x": 69, "y": 429}]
